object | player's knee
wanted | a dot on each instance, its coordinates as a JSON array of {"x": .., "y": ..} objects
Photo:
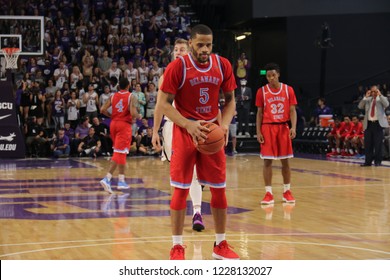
[
  {"x": 119, "y": 158},
  {"x": 218, "y": 198},
  {"x": 179, "y": 199}
]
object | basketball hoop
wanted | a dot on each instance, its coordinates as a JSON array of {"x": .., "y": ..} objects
[{"x": 11, "y": 57}]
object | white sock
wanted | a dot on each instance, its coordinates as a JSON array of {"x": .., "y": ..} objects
[
  {"x": 338, "y": 150},
  {"x": 121, "y": 177},
  {"x": 286, "y": 187},
  {"x": 196, "y": 192},
  {"x": 177, "y": 239},
  {"x": 268, "y": 189},
  {"x": 333, "y": 150},
  {"x": 219, "y": 237},
  {"x": 109, "y": 176},
  {"x": 197, "y": 209}
]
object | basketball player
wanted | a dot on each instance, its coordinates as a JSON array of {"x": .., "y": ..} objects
[
  {"x": 193, "y": 82},
  {"x": 180, "y": 49},
  {"x": 276, "y": 108},
  {"x": 124, "y": 107}
]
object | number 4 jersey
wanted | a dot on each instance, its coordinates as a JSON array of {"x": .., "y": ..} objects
[{"x": 275, "y": 103}]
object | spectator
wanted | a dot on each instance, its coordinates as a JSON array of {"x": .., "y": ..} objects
[
  {"x": 243, "y": 106},
  {"x": 36, "y": 102},
  {"x": 151, "y": 99},
  {"x": 103, "y": 132},
  {"x": 114, "y": 71},
  {"x": 155, "y": 73},
  {"x": 60, "y": 146},
  {"x": 104, "y": 96},
  {"x": 104, "y": 63},
  {"x": 322, "y": 109},
  {"x": 69, "y": 131},
  {"x": 87, "y": 66},
  {"x": 90, "y": 146},
  {"x": 73, "y": 106},
  {"x": 81, "y": 131},
  {"x": 61, "y": 75},
  {"x": 91, "y": 99},
  {"x": 35, "y": 137},
  {"x": 141, "y": 99},
  {"x": 75, "y": 76},
  {"x": 146, "y": 146},
  {"x": 58, "y": 109},
  {"x": 242, "y": 67},
  {"x": 131, "y": 73}
]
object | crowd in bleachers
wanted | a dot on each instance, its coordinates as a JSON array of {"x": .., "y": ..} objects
[{"x": 88, "y": 46}]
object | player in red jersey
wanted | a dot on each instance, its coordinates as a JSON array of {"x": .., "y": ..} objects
[
  {"x": 180, "y": 48},
  {"x": 194, "y": 82},
  {"x": 354, "y": 139},
  {"x": 333, "y": 140},
  {"x": 276, "y": 108},
  {"x": 343, "y": 132},
  {"x": 124, "y": 107}
]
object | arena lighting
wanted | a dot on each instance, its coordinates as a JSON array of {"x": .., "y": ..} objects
[{"x": 241, "y": 37}]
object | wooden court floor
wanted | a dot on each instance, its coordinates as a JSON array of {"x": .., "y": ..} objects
[{"x": 56, "y": 210}]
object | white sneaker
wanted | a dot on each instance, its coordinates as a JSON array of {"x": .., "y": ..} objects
[
  {"x": 122, "y": 185},
  {"x": 247, "y": 134},
  {"x": 106, "y": 184}
]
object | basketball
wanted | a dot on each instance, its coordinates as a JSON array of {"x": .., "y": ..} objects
[{"x": 215, "y": 140}]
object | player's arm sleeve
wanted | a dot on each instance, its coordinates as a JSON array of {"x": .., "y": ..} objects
[
  {"x": 229, "y": 81},
  {"x": 293, "y": 98},
  {"x": 259, "y": 98},
  {"x": 173, "y": 76}
]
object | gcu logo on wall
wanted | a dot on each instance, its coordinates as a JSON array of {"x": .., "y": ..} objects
[
  {"x": 6, "y": 105},
  {"x": 11, "y": 138}
]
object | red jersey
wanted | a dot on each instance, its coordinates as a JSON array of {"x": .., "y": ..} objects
[
  {"x": 196, "y": 86},
  {"x": 335, "y": 129},
  {"x": 275, "y": 104},
  {"x": 345, "y": 128},
  {"x": 356, "y": 130},
  {"x": 120, "y": 103}
]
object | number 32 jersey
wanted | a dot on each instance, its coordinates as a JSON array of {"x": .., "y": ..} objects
[
  {"x": 275, "y": 103},
  {"x": 196, "y": 86}
]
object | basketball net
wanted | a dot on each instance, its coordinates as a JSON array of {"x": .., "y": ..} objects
[{"x": 11, "y": 57}]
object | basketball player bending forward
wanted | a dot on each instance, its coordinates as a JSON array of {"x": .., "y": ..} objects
[{"x": 193, "y": 82}]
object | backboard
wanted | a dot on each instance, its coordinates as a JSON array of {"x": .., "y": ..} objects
[{"x": 23, "y": 32}]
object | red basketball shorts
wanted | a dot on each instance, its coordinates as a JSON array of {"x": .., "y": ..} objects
[
  {"x": 277, "y": 142},
  {"x": 121, "y": 136},
  {"x": 211, "y": 169}
]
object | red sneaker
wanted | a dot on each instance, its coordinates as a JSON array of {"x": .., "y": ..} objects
[
  {"x": 177, "y": 253},
  {"x": 223, "y": 252},
  {"x": 345, "y": 154},
  {"x": 268, "y": 198},
  {"x": 287, "y": 197}
]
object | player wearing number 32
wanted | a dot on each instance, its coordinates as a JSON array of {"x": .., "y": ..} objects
[
  {"x": 276, "y": 109},
  {"x": 194, "y": 82}
]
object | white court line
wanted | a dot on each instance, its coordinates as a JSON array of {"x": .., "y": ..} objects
[
  {"x": 210, "y": 240},
  {"x": 203, "y": 235}
]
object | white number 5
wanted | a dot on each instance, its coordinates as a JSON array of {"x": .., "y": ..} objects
[{"x": 204, "y": 95}]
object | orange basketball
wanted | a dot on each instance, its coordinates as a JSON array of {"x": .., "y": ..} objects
[{"x": 215, "y": 140}]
